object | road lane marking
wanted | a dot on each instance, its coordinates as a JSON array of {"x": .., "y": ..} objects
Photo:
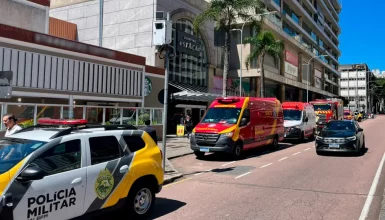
[
  {"x": 228, "y": 163},
  {"x": 282, "y": 159},
  {"x": 307, "y": 149},
  {"x": 372, "y": 191},
  {"x": 266, "y": 165},
  {"x": 296, "y": 153},
  {"x": 242, "y": 175},
  {"x": 180, "y": 181}
]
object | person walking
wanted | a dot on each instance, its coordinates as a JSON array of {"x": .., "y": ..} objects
[
  {"x": 188, "y": 123},
  {"x": 151, "y": 131},
  {"x": 9, "y": 121}
]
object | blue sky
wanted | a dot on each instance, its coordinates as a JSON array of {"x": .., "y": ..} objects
[{"x": 362, "y": 38}]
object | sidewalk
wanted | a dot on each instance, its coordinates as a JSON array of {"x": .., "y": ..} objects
[{"x": 176, "y": 147}]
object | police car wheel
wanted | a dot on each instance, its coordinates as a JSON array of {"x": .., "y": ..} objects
[{"x": 141, "y": 201}]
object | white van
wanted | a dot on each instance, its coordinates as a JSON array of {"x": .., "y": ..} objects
[{"x": 299, "y": 121}]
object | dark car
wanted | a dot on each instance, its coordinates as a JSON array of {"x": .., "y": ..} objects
[{"x": 341, "y": 136}]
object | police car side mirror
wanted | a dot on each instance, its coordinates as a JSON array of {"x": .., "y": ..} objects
[{"x": 31, "y": 173}]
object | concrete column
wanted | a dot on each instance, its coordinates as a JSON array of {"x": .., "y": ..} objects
[
  {"x": 312, "y": 97},
  {"x": 323, "y": 79},
  {"x": 258, "y": 86},
  {"x": 70, "y": 107},
  {"x": 282, "y": 66},
  {"x": 300, "y": 95},
  {"x": 300, "y": 67},
  {"x": 312, "y": 73},
  {"x": 282, "y": 93}
]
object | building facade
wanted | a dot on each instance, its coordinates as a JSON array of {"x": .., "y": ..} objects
[
  {"x": 356, "y": 80},
  {"x": 62, "y": 78},
  {"x": 309, "y": 29},
  {"x": 127, "y": 26}
]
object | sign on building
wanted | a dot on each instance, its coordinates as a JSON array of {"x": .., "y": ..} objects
[
  {"x": 6, "y": 78},
  {"x": 188, "y": 44},
  {"x": 291, "y": 63}
]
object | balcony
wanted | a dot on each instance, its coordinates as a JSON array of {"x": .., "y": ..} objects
[
  {"x": 337, "y": 4},
  {"x": 331, "y": 31},
  {"x": 331, "y": 56},
  {"x": 329, "y": 14},
  {"x": 276, "y": 25},
  {"x": 294, "y": 5},
  {"x": 308, "y": 4},
  {"x": 299, "y": 28},
  {"x": 274, "y": 4}
]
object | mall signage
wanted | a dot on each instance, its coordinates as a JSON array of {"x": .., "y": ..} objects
[{"x": 188, "y": 44}]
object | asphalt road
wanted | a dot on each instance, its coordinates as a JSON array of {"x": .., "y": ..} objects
[{"x": 292, "y": 183}]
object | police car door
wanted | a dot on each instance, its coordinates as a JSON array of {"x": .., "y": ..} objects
[
  {"x": 59, "y": 194},
  {"x": 107, "y": 165}
]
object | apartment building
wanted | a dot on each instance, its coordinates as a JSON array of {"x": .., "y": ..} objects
[
  {"x": 309, "y": 28},
  {"x": 356, "y": 80}
]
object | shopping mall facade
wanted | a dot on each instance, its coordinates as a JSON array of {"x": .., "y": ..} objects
[{"x": 62, "y": 78}]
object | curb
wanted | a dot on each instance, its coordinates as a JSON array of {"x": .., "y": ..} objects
[
  {"x": 172, "y": 179},
  {"x": 382, "y": 209},
  {"x": 180, "y": 155}
]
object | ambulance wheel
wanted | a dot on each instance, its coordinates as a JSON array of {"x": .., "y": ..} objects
[
  {"x": 140, "y": 201},
  {"x": 199, "y": 154},
  {"x": 275, "y": 145},
  {"x": 238, "y": 151}
]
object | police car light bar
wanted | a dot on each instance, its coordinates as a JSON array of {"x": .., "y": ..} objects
[{"x": 49, "y": 121}]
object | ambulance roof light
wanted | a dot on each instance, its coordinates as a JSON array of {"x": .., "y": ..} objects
[{"x": 50, "y": 121}]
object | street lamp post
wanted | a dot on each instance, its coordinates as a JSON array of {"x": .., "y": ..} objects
[
  {"x": 240, "y": 65},
  {"x": 307, "y": 73}
]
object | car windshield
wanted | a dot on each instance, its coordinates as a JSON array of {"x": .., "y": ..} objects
[
  {"x": 13, "y": 150},
  {"x": 323, "y": 107},
  {"x": 292, "y": 115},
  {"x": 222, "y": 115},
  {"x": 340, "y": 126},
  {"x": 346, "y": 113}
]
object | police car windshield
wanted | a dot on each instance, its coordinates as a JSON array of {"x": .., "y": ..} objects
[
  {"x": 13, "y": 150},
  {"x": 292, "y": 115},
  {"x": 222, "y": 115}
]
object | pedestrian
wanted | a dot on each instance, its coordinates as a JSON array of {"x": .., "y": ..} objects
[
  {"x": 188, "y": 123},
  {"x": 151, "y": 131},
  {"x": 9, "y": 121}
]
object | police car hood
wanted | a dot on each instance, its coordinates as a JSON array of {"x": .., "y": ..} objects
[{"x": 291, "y": 123}]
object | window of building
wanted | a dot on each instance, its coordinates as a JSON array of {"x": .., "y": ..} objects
[
  {"x": 104, "y": 149},
  {"x": 61, "y": 158},
  {"x": 189, "y": 68},
  {"x": 278, "y": 2}
]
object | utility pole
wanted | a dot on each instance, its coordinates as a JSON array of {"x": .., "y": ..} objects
[
  {"x": 357, "y": 99},
  {"x": 101, "y": 11},
  {"x": 348, "y": 90}
]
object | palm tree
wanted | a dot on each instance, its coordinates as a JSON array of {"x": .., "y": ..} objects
[
  {"x": 264, "y": 43},
  {"x": 225, "y": 13}
]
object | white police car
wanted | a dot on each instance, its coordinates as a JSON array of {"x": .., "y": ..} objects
[{"x": 53, "y": 172}]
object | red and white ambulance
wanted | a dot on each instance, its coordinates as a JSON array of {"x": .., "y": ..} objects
[
  {"x": 235, "y": 124},
  {"x": 299, "y": 120}
]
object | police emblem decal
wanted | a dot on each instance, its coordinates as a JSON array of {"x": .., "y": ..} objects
[{"x": 104, "y": 184}]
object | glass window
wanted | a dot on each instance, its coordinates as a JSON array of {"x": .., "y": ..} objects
[
  {"x": 13, "y": 150},
  {"x": 338, "y": 126},
  {"x": 187, "y": 68},
  {"x": 61, "y": 158},
  {"x": 318, "y": 107},
  {"x": 104, "y": 149},
  {"x": 134, "y": 143},
  {"x": 222, "y": 115},
  {"x": 292, "y": 115}
]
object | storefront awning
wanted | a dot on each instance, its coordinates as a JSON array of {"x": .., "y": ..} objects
[{"x": 193, "y": 93}]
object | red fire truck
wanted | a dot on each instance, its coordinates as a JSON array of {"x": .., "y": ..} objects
[{"x": 327, "y": 110}]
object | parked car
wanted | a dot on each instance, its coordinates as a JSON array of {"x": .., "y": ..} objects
[{"x": 341, "y": 136}]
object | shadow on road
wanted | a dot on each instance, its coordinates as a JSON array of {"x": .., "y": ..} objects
[
  {"x": 254, "y": 153},
  {"x": 347, "y": 154},
  {"x": 165, "y": 206}
]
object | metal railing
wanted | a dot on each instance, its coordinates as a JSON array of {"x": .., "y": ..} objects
[{"x": 29, "y": 113}]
